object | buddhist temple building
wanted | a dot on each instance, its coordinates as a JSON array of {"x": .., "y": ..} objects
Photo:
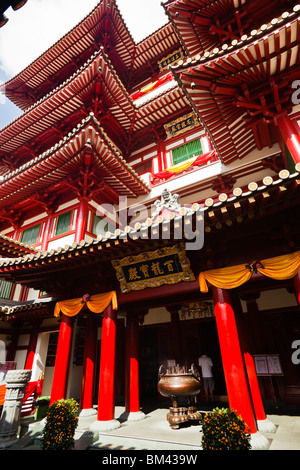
[{"x": 149, "y": 208}]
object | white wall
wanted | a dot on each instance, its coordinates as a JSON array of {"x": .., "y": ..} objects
[{"x": 272, "y": 299}]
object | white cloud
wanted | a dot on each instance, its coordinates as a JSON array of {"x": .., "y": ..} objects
[
  {"x": 142, "y": 17},
  {"x": 34, "y": 28},
  {"x": 31, "y": 30}
]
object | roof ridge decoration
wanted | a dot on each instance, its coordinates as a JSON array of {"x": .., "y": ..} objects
[{"x": 168, "y": 203}]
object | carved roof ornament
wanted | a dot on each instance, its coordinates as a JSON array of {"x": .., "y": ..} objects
[{"x": 167, "y": 203}]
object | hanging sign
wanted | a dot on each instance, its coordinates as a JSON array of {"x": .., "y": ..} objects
[
  {"x": 196, "y": 310},
  {"x": 268, "y": 364},
  {"x": 168, "y": 265},
  {"x": 181, "y": 124},
  {"x": 170, "y": 59}
]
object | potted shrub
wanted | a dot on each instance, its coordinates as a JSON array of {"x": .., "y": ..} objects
[
  {"x": 62, "y": 420},
  {"x": 223, "y": 429},
  {"x": 41, "y": 407}
]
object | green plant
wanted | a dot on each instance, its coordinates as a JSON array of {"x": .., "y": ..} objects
[
  {"x": 223, "y": 429},
  {"x": 62, "y": 420},
  {"x": 41, "y": 407}
]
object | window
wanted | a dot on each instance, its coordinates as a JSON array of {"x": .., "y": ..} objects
[
  {"x": 187, "y": 151},
  {"x": 52, "y": 347},
  {"x": 30, "y": 235},
  {"x": 79, "y": 346},
  {"x": 101, "y": 226},
  {"x": 63, "y": 223},
  {"x": 5, "y": 289}
]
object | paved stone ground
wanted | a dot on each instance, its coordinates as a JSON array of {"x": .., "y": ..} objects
[{"x": 154, "y": 433}]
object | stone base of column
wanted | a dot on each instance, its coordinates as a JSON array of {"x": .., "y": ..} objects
[
  {"x": 5, "y": 443},
  {"x": 265, "y": 425},
  {"x": 136, "y": 416},
  {"x": 132, "y": 416},
  {"x": 87, "y": 412},
  {"x": 105, "y": 425},
  {"x": 16, "y": 382},
  {"x": 259, "y": 442}
]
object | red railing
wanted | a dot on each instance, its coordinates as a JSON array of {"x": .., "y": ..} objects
[{"x": 33, "y": 391}]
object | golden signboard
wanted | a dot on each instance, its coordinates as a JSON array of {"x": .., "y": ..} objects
[
  {"x": 196, "y": 310},
  {"x": 172, "y": 58},
  {"x": 167, "y": 265},
  {"x": 181, "y": 124}
]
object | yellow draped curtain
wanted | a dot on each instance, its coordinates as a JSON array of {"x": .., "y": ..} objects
[
  {"x": 96, "y": 303},
  {"x": 279, "y": 268},
  {"x": 179, "y": 167}
]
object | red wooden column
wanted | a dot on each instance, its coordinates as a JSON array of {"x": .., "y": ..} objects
[
  {"x": 297, "y": 286},
  {"x": 106, "y": 398},
  {"x": 61, "y": 368},
  {"x": 15, "y": 235},
  {"x": 81, "y": 221},
  {"x": 263, "y": 423},
  {"x": 245, "y": 330},
  {"x": 291, "y": 135},
  {"x": 46, "y": 233},
  {"x": 31, "y": 347},
  {"x": 89, "y": 357},
  {"x": 233, "y": 364},
  {"x": 132, "y": 398}
]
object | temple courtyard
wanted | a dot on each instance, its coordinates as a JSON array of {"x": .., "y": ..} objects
[{"x": 153, "y": 433}]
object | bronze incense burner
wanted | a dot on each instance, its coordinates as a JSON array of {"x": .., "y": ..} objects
[{"x": 175, "y": 382}]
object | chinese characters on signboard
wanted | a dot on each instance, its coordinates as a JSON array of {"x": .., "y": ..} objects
[
  {"x": 170, "y": 59},
  {"x": 168, "y": 265},
  {"x": 150, "y": 269},
  {"x": 196, "y": 310},
  {"x": 181, "y": 124}
]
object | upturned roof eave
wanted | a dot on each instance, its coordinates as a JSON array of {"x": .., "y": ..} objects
[
  {"x": 18, "y": 182},
  {"x": 39, "y": 61}
]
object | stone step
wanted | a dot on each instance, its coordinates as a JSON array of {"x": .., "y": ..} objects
[
  {"x": 115, "y": 442},
  {"x": 31, "y": 444}
]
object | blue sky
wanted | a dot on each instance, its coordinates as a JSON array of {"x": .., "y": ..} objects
[{"x": 39, "y": 23}]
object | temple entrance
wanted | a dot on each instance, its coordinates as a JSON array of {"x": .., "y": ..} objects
[
  {"x": 149, "y": 361},
  {"x": 195, "y": 337}
]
